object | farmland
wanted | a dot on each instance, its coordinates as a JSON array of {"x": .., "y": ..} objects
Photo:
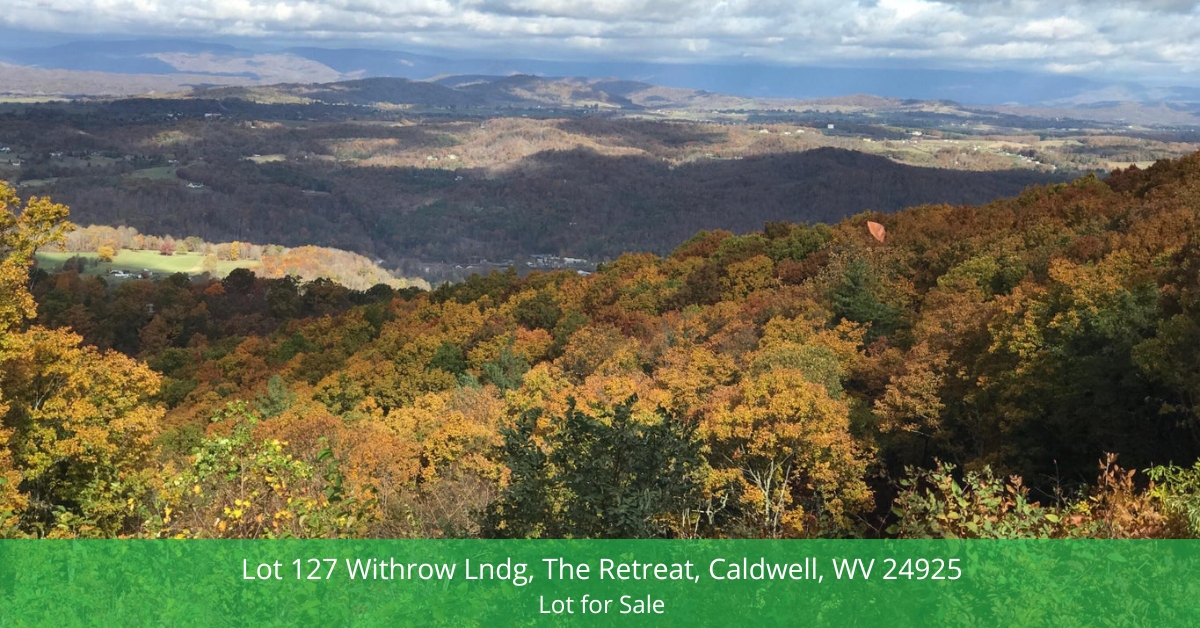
[{"x": 141, "y": 261}]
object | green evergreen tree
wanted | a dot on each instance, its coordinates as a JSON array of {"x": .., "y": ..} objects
[{"x": 607, "y": 476}]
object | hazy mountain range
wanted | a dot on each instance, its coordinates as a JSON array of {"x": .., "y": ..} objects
[{"x": 139, "y": 66}]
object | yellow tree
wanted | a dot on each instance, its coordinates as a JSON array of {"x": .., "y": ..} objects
[
  {"x": 782, "y": 451},
  {"x": 77, "y": 452},
  {"x": 22, "y": 232},
  {"x": 82, "y": 434},
  {"x": 798, "y": 469}
]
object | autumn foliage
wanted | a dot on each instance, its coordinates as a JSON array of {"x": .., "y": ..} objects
[{"x": 963, "y": 377}]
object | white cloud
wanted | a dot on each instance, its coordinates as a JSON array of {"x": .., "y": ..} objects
[
  {"x": 1053, "y": 28},
  {"x": 1130, "y": 36}
]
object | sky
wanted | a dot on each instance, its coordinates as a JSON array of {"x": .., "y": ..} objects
[{"x": 1155, "y": 40}]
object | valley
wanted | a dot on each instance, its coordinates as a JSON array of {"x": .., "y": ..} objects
[{"x": 437, "y": 180}]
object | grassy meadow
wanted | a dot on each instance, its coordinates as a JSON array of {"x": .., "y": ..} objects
[{"x": 137, "y": 261}]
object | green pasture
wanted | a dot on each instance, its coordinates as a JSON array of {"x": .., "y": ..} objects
[
  {"x": 136, "y": 261},
  {"x": 36, "y": 183}
]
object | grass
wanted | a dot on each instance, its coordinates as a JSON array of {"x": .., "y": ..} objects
[
  {"x": 35, "y": 183},
  {"x": 160, "y": 173},
  {"x": 187, "y": 263},
  {"x": 263, "y": 159},
  {"x": 31, "y": 99},
  {"x": 1112, "y": 165}
]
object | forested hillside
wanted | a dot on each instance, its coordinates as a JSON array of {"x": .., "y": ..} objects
[
  {"x": 417, "y": 192},
  {"x": 972, "y": 374},
  {"x": 577, "y": 203}
]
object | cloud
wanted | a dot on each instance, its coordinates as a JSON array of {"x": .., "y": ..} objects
[{"x": 1143, "y": 37}]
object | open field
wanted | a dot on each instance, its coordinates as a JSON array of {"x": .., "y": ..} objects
[
  {"x": 137, "y": 261},
  {"x": 264, "y": 159},
  {"x": 160, "y": 173},
  {"x": 25, "y": 100}
]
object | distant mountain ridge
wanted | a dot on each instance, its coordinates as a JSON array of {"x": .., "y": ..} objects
[
  {"x": 522, "y": 91},
  {"x": 314, "y": 64}
]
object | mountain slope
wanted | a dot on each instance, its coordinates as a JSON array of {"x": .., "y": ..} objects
[{"x": 574, "y": 203}]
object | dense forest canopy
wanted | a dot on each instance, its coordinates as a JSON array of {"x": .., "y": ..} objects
[{"x": 1019, "y": 368}]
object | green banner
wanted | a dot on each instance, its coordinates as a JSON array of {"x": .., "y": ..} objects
[{"x": 599, "y": 583}]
